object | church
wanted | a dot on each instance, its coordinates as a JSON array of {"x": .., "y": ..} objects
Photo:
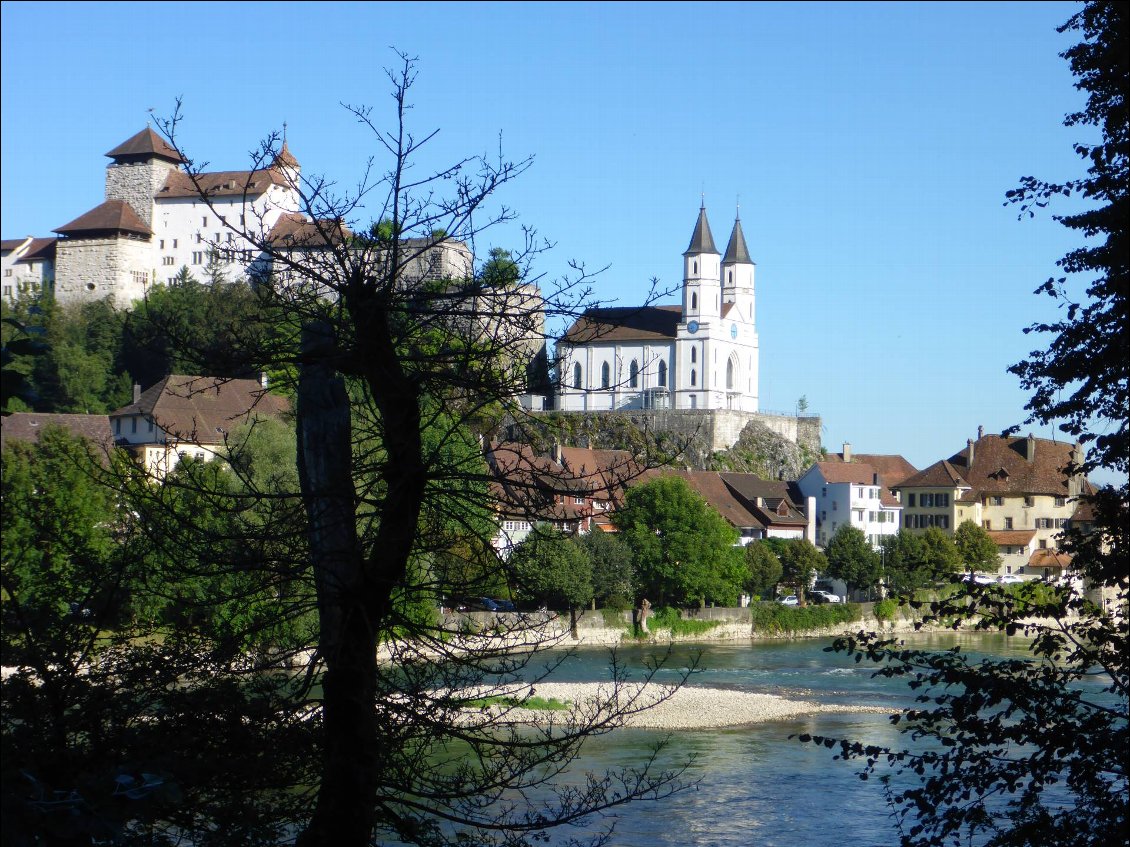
[{"x": 701, "y": 354}]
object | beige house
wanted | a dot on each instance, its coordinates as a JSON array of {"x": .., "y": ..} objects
[
  {"x": 188, "y": 417},
  {"x": 1016, "y": 488}
]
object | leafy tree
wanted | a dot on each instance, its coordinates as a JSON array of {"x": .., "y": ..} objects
[
  {"x": 1032, "y": 752},
  {"x": 552, "y": 569},
  {"x": 800, "y": 562},
  {"x": 394, "y": 378},
  {"x": 904, "y": 563},
  {"x": 940, "y": 557},
  {"x": 613, "y": 572},
  {"x": 681, "y": 546},
  {"x": 977, "y": 550},
  {"x": 852, "y": 559},
  {"x": 765, "y": 569}
]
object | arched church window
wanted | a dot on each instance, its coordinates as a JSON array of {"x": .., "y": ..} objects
[
  {"x": 662, "y": 374},
  {"x": 605, "y": 378},
  {"x": 577, "y": 375},
  {"x": 634, "y": 374},
  {"x": 694, "y": 354},
  {"x": 694, "y": 267},
  {"x": 694, "y": 301},
  {"x": 694, "y": 381},
  {"x": 730, "y": 374},
  {"x": 729, "y": 276}
]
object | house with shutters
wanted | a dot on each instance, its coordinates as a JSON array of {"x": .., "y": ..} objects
[
  {"x": 183, "y": 417},
  {"x": 1015, "y": 487},
  {"x": 854, "y": 493}
]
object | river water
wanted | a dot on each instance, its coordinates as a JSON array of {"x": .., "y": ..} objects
[{"x": 755, "y": 786}]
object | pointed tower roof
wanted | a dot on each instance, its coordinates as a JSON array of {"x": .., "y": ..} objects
[
  {"x": 285, "y": 159},
  {"x": 702, "y": 241},
  {"x": 736, "y": 251},
  {"x": 146, "y": 144},
  {"x": 111, "y": 216}
]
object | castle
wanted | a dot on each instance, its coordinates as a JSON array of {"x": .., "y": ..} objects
[
  {"x": 702, "y": 354},
  {"x": 155, "y": 221}
]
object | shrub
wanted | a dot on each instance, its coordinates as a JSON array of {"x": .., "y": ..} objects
[
  {"x": 775, "y": 618},
  {"x": 885, "y": 610},
  {"x": 673, "y": 621}
]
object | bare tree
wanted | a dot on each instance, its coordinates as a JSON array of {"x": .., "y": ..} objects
[{"x": 402, "y": 359}]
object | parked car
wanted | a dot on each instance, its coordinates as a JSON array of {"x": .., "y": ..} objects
[
  {"x": 477, "y": 604},
  {"x": 979, "y": 578},
  {"x": 788, "y": 601},
  {"x": 1009, "y": 579},
  {"x": 503, "y": 605},
  {"x": 824, "y": 597}
]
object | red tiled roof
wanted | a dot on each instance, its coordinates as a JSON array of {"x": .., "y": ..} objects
[
  {"x": 221, "y": 183},
  {"x": 111, "y": 216},
  {"x": 892, "y": 468},
  {"x": 710, "y": 486},
  {"x": 9, "y": 244},
  {"x": 39, "y": 250},
  {"x": 777, "y": 506},
  {"x": 294, "y": 230},
  {"x": 144, "y": 143},
  {"x": 1012, "y": 537},
  {"x": 639, "y": 323},
  {"x": 1048, "y": 558},
  {"x": 26, "y": 426},
  {"x": 1002, "y": 465},
  {"x": 202, "y": 409},
  {"x": 939, "y": 475},
  {"x": 855, "y": 473}
]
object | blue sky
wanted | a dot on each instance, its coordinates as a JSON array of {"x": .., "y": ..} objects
[{"x": 870, "y": 144}]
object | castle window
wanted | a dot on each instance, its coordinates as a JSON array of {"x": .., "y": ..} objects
[
  {"x": 204, "y": 222},
  {"x": 605, "y": 379},
  {"x": 162, "y": 244},
  {"x": 168, "y": 260},
  {"x": 634, "y": 375},
  {"x": 577, "y": 375},
  {"x": 662, "y": 374},
  {"x": 174, "y": 244},
  {"x": 198, "y": 257}
]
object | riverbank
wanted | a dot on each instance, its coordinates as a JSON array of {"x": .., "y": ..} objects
[{"x": 686, "y": 708}]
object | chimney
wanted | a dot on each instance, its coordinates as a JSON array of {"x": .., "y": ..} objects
[
  {"x": 969, "y": 448},
  {"x": 847, "y": 451},
  {"x": 980, "y": 432},
  {"x": 263, "y": 380},
  {"x": 557, "y": 452},
  {"x": 136, "y": 393},
  {"x": 1031, "y": 454}
]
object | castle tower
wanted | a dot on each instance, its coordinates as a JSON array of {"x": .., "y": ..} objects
[
  {"x": 701, "y": 278},
  {"x": 737, "y": 274},
  {"x": 140, "y": 166},
  {"x": 286, "y": 164}
]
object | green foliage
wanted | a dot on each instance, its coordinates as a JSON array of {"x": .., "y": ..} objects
[
  {"x": 903, "y": 558},
  {"x": 886, "y": 609},
  {"x": 800, "y": 562},
  {"x": 777, "y": 619},
  {"x": 852, "y": 559},
  {"x": 682, "y": 547},
  {"x": 1020, "y": 753},
  {"x": 535, "y": 703},
  {"x": 613, "y": 573},
  {"x": 977, "y": 550},
  {"x": 940, "y": 557},
  {"x": 673, "y": 621},
  {"x": 764, "y": 566},
  {"x": 552, "y": 569}
]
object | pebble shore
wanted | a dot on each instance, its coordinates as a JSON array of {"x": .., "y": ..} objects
[{"x": 690, "y": 707}]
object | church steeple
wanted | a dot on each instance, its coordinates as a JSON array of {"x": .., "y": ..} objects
[
  {"x": 736, "y": 250},
  {"x": 701, "y": 240}
]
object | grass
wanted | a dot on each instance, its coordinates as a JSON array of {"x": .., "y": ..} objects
[
  {"x": 673, "y": 621},
  {"x": 541, "y": 704},
  {"x": 775, "y": 618}
]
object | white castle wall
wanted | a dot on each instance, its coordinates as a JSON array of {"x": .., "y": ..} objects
[{"x": 93, "y": 268}]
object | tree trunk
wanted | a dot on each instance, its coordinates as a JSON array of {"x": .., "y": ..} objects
[{"x": 347, "y": 643}]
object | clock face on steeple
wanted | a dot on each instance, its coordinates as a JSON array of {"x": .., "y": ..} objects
[{"x": 692, "y": 327}]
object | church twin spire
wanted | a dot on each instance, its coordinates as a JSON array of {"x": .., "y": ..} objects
[{"x": 702, "y": 241}]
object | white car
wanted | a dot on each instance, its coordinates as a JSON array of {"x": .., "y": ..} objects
[
  {"x": 979, "y": 578},
  {"x": 1009, "y": 579},
  {"x": 788, "y": 601},
  {"x": 828, "y": 596}
]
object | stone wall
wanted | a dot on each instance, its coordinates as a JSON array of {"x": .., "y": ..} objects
[
  {"x": 89, "y": 269},
  {"x": 137, "y": 183}
]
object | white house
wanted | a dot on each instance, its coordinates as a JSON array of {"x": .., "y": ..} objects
[
  {"x": 701, "y": 354},
  {"x": 850, "y": 493}
]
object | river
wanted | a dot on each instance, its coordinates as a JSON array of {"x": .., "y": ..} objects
[{"x": 755, "y": 786}]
